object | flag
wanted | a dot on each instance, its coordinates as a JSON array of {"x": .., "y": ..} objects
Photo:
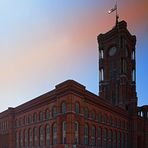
[{"x": 113, "y": 9}]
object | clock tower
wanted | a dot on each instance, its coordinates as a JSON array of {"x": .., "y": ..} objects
[{"x": 117, "y": 70}]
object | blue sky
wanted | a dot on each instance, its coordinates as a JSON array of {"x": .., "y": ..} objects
[{"x": 43, "y": 43}]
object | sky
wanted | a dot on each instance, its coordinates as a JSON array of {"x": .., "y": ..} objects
[{"x": 45, "y": 42}]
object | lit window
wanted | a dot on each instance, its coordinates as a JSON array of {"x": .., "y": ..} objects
[
  {"x": 76, "y": 132},
  {"x": 63, "y": 108},
  {"x": 47, "y": 135},
  {"x": 86, "y": 134},
  {"x": 77, "y": 108},
  {"x": 54, "y": 134},
  {"x": 64, "y": 132}
]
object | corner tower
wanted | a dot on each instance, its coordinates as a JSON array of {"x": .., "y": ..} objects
[{"x": 117, "y": 70}]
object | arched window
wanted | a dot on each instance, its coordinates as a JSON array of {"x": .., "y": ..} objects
[
  {"x": 101, "y": 74},
  {"x": 41, "y": 135},
  {"x": 26, "y": 137},
  {"x": 118, "y": 139},
  {"x": 93, "y": 135},
  {"x": 93, "y": 115},
  {"x": 114, "y": 139},
  {"x": 110, "y": 138},
  {"x": 99, "y": 136},
  {"x": 64, "y": 132},
  {"x": 105, "y": 138},
  {"x": 111, "y": 120},
  {"x": 54, "y": 112},
  {"x": 76, "y": 132},
  {"x": 47, "y": 135},
  {"x": 30, "y": 137},
  {"x": 41, "y": 116},
  {"x": 35, "y": 117},
  {"x": 17, "y": 139},
  {"x": 133, "y": 75},
  {"x": 86, "y": 131},
  {"x": 63, "y": 108},
  {"x": 77, "y": 108},
  {"x": 105, "y": 119},
  {"x": 21, "y": 138},
  {"x": 86, "y": 113},
  {"x": 99, "y": 117},
  {"x": 122, "y": 140},
  {"x": 35, "y": 137},
  {"x": 101, "y": 53},
  {"x": 54, "y": 133},
  {"x": 47, "y": 114},
  {"x": 133, "y": 55}
]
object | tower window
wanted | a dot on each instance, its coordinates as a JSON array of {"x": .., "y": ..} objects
[
  {"x": 101, "y": 74},
  {"x": 133, "y": 55},
  {"x": 101, "y": 53},
  {"x": 121, "y": 42},
  {"x": 123, "y": 65},
  {"x": 133, "y": 75}
]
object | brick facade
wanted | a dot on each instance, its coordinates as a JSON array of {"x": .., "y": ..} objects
[{"x": 72, "y": 117}]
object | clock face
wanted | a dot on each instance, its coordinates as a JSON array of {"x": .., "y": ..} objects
[{"x": 112, "y": 51}]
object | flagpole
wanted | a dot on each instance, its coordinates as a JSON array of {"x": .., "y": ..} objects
[{"x": 117, "y": 16}]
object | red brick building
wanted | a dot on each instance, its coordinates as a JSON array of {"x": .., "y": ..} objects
[{"x": 72, "y": 117}]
